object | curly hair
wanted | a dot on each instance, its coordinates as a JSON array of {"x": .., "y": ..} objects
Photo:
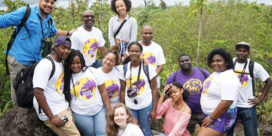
[
  {"x": 127, "y": 3},
  {"x": 68, "y": 72},
  {"x": 112, "y": 128},
  {"x": 223, "y": 53}
]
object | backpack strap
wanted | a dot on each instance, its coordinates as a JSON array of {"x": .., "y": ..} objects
[
  {"x": 125, "y": 70},
  {"x": 175, "y": 76},
  {"x": 53, "y": 66},
  {"x": 203, "y": 73},
  {"x": 51, "y": 75},
  {"x": 16, "y": 31},
  {"x": 146, "y": 71},
  {"x": 251, "y": 68}
]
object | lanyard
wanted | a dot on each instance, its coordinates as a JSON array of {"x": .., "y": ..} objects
[
  {"x": 49, "y": 22},
  {"x": 139, "y": 73}
]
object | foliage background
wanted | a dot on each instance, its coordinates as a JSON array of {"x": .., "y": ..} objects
[{"x": 224, "y": 23}]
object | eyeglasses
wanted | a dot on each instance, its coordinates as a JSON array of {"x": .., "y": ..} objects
[
  {"x": 88, "y": 16},
  {"x": 134, "y": 51}
]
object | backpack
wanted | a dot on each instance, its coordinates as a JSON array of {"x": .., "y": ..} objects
[
  {"x": 23, "y": 85},
  {"x": 201, "y": 70},
  {"x": 146, "y": 71},
  {"x": 15, "y": 32}
]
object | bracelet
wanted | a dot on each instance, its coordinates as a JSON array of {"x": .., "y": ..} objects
[
  {"x": 210, "y": 119},
  {"x": 68, "y": 33}
]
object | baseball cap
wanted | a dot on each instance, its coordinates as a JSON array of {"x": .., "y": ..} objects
[
  {"x": 62, "y": 40},
  {"x": 242, "y": 44}
]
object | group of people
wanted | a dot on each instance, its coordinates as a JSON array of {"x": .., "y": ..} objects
[{"x": 120, "y": 94}]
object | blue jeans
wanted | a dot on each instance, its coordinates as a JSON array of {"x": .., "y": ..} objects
[
  {"x": 91, "y": 125},
  {"x": 97, "y": 64},
  {"x": 142, "y": 116},
  {"x": 248, "y": 117}
]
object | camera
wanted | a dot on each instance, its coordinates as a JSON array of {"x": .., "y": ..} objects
[
  {"x": 65, "y": 119},
  {"x": 131, "y": 92},
  {"x": 46, "y": 47}
]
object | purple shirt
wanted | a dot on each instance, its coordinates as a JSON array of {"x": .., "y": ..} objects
[{"x": 194, "y": 84}]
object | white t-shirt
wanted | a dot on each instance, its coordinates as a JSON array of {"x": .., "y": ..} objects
[
  {"x": 86, "y": 99},
  {"x": 144, "y": 93},
  {"x": 88, "y": 43},
  {"x": 246, "y": 91},
  {"x": 219, "y": 86},
  {"x": 53, "y": 88},
  {"x": 112, "y": 82},
  {"x": 131, "y": 130},
  {"x": 154, "y": 54}
]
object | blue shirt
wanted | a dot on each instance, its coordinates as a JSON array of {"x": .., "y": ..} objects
[{"x": 26, "y": 47}]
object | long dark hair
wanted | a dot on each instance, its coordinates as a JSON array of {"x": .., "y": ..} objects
[{"x": 68, "y": 72}]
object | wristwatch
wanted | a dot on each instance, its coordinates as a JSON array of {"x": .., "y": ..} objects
[{"x": 68, "y": 33}]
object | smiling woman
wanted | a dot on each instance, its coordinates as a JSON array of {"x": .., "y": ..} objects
[
  {"x": 121, "y": 122},
  {"x": 219, "y": 95}
]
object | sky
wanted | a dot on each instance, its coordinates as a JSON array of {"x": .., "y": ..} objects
[{"x": 137, "y": 3}]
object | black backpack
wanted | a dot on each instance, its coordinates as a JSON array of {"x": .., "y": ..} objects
[
  {"x": 15, "y": 32},
  {"x": 23, "y": 85}
]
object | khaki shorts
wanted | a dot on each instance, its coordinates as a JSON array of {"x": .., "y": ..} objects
[{"x": 69, "y": 129}]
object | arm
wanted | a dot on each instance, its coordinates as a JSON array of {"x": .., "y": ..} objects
[
  {"x": 38, "y": 93},
  {"x": 155, "y": 98},
  {"x": 64, "y": 33},
  {"x": 110, "y": 33},
  {"x": 122, "y": 91},
  {"x": 265, "y": 90},
  {"x": 133, "y": 32},
  {"x": 180, "y": 126},
  {"x": 105, "y": 96},
  {"x": 13, "y": 18},
  {"x": 159, "y": 70},
  {"x": 221, "y": 108},
  {"x": 163, "y": 107},
  {"x": 103, "y": 50}
]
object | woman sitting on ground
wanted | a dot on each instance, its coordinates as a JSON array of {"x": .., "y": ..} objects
[
  {"x": 121, "y": 123},
  {"x": 219, "y": 95},
  {"x": 177, "y": 112}
]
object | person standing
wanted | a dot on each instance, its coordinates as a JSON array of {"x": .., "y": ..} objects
[
  {"x": 88, "y": 39},
  {"x": 247, "y": 71},
  {"x": 192, "y": 79},
  {"x": 152, "y": 52},
  {"x": 126, "y": 25},
  {"x": 27, "y": 45},
  {"x": 49, "y": 100},
  {"x": 219, "y": 95}
]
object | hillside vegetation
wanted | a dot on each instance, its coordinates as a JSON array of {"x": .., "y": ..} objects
[{"x": 176, "y": 29}]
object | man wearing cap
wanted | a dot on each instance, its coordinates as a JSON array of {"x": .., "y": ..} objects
[
  {"x": 27, "y": 45},
  {"x": 246, "y": 102},
  {"x": 88, "y": 39},
  {"x": 49, "y": 93}
]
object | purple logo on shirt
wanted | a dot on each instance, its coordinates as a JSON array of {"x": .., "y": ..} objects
[
  {"x": 207, "y": 84},
  {"x": 244, "y": 79},
  {"x": 84, "y": 88},
  {"x": 141, "y": 84},
  {"x": 112, "y": 88},
  {"x": 90, "y": 48},
  {"x": 150, "y": 57},
  {"x": 193, "y": 86}
]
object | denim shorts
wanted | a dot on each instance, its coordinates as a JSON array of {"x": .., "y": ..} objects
[{"x": 225, "y": 121}]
